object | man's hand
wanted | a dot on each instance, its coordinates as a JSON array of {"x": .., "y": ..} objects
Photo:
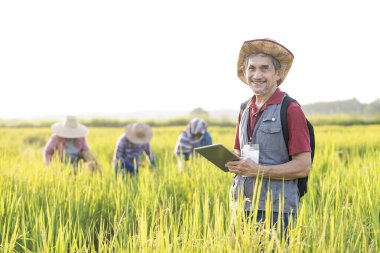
[
  {"x": 298, "y": 167},
  {"x": 244, "y": 167}
]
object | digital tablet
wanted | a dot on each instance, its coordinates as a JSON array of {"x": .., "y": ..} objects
[{"x": 218, "y": 154}]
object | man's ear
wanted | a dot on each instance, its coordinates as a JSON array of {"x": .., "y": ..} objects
[
  {"x": 242, "y": 70},
  {"x": 279, "y": 75}
]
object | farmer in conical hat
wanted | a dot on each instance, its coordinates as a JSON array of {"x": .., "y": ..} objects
[
  {"x": 131, "y": 144},
  {"x": 69, "y": 142}
]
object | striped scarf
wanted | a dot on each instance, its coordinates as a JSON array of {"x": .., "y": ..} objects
[{"x": 187, "y": 141}]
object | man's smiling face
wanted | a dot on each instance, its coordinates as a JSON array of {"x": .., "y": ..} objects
[{"x": 261, "y": 74}]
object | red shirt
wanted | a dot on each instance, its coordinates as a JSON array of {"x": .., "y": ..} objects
[{"x": 299, "y": 140}]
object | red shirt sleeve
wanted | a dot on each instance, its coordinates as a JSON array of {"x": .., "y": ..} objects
[
  {"x": 237, "y": 141},
  {"x": 299, "y": 139}
]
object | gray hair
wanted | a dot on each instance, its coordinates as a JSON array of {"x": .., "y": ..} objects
[{"x": 276, "y": 63}]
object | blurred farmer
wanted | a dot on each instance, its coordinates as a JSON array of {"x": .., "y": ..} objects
[
  {"x": 263, "y": 65},
  {"x": 195, "y": 135},
  {"x": 69, "y": 143},
  {"x": 130, "y": 146}
]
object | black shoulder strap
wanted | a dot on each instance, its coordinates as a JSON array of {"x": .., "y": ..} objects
[
  {"x": 284, "y": 117},
  {"x": 244, "y": 105},
  {"x": 285, "y": 129},
  {"x": 302, "y": 182}
]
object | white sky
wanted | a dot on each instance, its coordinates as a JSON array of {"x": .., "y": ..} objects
[{"x": 60, "y": 57}]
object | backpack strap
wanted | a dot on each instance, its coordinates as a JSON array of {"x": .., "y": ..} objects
[
  {"x": 301, "y": 182},
  {"x": 284, "y": 117},
  {"x": 284, "y": 123},
  {"x": 244, "y": 105}
]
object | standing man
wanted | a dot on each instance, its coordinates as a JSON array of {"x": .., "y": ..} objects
[{"x": 263, "y": 65}]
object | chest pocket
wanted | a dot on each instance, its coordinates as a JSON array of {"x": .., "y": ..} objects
[{"x": 269, "y": 133}]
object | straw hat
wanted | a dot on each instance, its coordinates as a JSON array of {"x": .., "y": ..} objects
[
  {"x": 268, "y": 46},
  {"x": 138, "y": 133},
  {"x": 70, "y": 128}
]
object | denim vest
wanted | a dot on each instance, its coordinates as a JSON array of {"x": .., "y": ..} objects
[{"x": 268, "y": 134}]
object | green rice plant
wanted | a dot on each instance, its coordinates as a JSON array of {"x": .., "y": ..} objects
[{"x": 52, "y": 209}]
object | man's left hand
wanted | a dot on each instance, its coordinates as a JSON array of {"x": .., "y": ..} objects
[{"x": 244, "y": 167}]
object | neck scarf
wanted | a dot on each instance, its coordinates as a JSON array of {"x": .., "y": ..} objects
[{"x": 188, "y": 141}]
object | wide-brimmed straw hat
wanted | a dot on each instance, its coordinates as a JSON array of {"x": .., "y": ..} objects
[
  {"x": 70, "y": 128},
  {"x": 267, "y": 46},
  {"x": 138, "y": 133}
]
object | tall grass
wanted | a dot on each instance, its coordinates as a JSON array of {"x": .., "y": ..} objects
[{"x": 52, "y": 210}]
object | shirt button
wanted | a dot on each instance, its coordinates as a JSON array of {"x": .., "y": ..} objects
[{"x": 255, "y": 115}]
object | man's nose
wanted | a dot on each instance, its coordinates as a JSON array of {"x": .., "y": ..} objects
[{"x": 257, "y": 75}]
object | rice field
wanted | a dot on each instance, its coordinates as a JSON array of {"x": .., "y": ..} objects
[{"x": 49, "y": 209}]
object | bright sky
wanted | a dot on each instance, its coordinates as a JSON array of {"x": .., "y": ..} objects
[{"x": 76, "y": 57}]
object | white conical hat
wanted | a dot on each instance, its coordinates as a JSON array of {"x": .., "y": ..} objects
[
  {"x": 70, "y": 128},
  {"x": 138, "y": 133}
]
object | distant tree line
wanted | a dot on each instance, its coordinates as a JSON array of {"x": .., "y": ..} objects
[
  {"x": 108, "y": 122},
  {"x": 351, "y": 106},
  {"x": 348, "y": 112},
  {"x": 316, "y": 120}
]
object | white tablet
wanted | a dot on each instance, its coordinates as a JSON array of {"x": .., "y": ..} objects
[{"x": 218, "y": 154}]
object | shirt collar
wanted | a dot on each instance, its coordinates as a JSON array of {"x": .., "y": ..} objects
[{"x": 276, "y": 98}]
